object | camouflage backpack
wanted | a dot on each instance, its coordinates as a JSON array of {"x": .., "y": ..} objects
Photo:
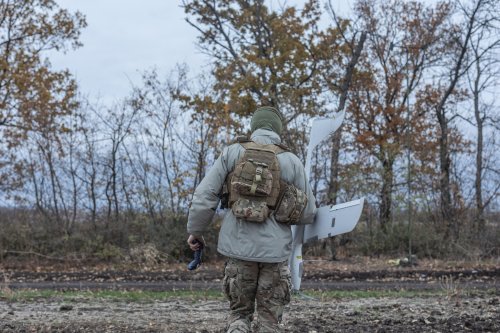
[
  {"x": 254, "y": 185},
  {"x": 255, "y": 189}
]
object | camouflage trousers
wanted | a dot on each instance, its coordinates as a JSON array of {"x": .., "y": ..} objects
[{"x": 258, "y": 287}]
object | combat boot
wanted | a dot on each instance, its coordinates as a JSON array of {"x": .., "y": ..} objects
[{"x": 239, "y": 326}]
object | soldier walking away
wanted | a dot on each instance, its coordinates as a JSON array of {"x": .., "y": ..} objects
[{"x": 266, "y": 190}]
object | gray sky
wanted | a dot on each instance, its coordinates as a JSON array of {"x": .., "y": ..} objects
[{"x": 124, "y": 38}]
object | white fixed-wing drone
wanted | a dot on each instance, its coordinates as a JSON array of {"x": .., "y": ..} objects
[{"x": 329, "y": 220}]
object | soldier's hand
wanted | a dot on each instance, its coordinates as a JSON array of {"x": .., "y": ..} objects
[{"x": 195, "y": 245}]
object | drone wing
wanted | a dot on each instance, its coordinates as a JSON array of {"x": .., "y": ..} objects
[{"x": 334, "y": 220}]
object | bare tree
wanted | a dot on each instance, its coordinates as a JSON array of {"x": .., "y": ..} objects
[
  {"x": 163, "y": 127},
  {"x": 458, "y": 64},
  {"x": 355, "y": 46},
  {"x": 90, "y": 173},
  {"x": 118, "y": 123},
  {"x": 483, "y": 75}
]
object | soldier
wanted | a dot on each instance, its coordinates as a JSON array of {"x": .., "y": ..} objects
[{"x": 267, "y": 190}]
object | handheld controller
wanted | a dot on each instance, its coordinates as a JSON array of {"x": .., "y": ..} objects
[{"x": 196, "y": 262}]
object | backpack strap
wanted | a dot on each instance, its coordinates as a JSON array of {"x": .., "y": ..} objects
[
  {"x": 277, "y": 148},
  {"x": 241, "y": 139},
  {"x": 283, "y": 146}
]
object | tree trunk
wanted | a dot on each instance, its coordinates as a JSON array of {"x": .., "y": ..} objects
[
  {"x": 458, "y": 70},
  {"x": 385, "y": 214},
  {"x": 479, "y": 219},
  {"x": 444, "y": 176},
  {"x": 91, "y": 177},
  {"x": 334, "y": 186}
]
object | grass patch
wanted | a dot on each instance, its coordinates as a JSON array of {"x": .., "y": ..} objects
[
  {"x": 118, "y": 295},
  {"x": 359, "y": 294},
  {"x": 322, "y": 295},
  {"x": 197, "y": 295}
]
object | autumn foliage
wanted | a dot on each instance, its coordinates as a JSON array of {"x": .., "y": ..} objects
[{"x": 83, "y": 180}]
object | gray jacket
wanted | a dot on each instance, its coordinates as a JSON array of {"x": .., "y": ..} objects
[{"x": 264, "y": 242}]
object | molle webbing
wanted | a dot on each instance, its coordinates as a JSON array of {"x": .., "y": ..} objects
[{"x": 261, "y": 160}]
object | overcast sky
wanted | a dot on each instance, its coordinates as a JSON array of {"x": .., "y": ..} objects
[
  {"x": 126, "y": 37},
  {"x": 123, "y": 38}
]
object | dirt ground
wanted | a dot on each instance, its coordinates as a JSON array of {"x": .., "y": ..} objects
[
  {"x": 418, "y": 314},
  {"x": 464, "y": 298}
]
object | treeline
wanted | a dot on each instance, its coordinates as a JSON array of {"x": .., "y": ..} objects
[{"x": 418, "y": 83}]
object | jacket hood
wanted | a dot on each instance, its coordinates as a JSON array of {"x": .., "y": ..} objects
[{"x": 265, "y": 136}]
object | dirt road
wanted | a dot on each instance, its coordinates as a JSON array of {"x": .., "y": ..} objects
[
  {"x": 461, "y": 300},
  {"x": 465, "y": 313},
  {"x": 210, "y": 279}
]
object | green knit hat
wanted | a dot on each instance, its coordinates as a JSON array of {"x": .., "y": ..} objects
[{"x": 267, "y": 117}]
